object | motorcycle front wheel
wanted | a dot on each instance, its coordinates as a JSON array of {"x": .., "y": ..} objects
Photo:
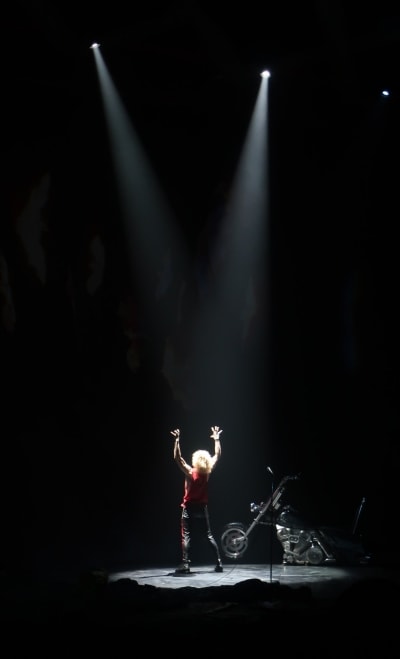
[{"x": 234, "y": 541}]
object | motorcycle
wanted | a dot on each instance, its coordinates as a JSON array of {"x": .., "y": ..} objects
[{"x": 303, "y": 542}]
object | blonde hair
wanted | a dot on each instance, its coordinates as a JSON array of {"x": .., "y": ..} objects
[{"x": 202, "y": 462}]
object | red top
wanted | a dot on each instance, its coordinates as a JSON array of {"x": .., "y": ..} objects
[{"x": 196, "y": 490}]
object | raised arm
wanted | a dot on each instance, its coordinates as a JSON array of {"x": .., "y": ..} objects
[
  {"x": 215, "y": 433},
  {"x": 182, "y": 464}
]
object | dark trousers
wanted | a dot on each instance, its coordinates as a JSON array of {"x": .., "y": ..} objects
[{"x": 195, "y": 518}]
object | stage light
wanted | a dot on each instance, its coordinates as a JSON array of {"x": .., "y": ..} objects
[
  {"x": 95, "y": 45},
  {"x": 265, "y": 74}
]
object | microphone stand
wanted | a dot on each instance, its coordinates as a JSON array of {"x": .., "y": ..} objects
[{"x": 271, "y": 525}]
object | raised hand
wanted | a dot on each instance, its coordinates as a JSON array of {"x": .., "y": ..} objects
[
  {"x": 216, "y": 431},
  {"x": 176, "y": 433}
]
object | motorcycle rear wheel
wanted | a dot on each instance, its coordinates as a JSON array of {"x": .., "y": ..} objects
[{"x": 234, "y": 541}]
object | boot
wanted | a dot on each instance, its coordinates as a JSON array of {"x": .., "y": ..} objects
[
  {"x": 218, "y": 567},
  {"x": 183, "y": 568}
]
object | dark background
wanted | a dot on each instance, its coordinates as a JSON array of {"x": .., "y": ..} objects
[{"x": 87, "y": 470}]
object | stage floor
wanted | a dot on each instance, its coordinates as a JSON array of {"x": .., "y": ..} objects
[
  {"x": 325, "y": 583},
  {"x": 355, "y": 608}
]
